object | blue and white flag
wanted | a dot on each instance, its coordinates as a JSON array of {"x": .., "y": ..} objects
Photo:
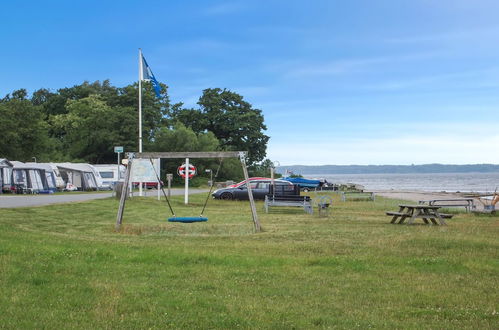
[{"x": 147, "y": 75}]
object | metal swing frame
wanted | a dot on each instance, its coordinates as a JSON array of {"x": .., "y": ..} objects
[{"x": 171, "y": 155}]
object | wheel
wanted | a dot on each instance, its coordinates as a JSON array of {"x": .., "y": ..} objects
[{"x": 226, "y": 196}]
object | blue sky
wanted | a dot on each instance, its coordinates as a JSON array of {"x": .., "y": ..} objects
[{"x": 339, "y": 82}]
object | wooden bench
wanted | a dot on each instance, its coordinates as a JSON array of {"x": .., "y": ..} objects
[
  {"x": 467, "y": 203},
  {"x": 292, "y": 201},
  {"x": 357, "y": 195}
]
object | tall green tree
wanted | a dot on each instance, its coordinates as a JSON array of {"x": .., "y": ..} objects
[
  {"x": 235, "y": 123},
  {"x": 121, "y": 117},
  {"x": 24, "y": 133},
  {"x": 181, "y": 138},
  {"x": 92, "y": 128}
]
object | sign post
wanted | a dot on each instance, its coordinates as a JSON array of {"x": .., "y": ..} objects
[
  {"x": 186, "y": 190},
  {"x": 211, "y": 177},
  {"x": 118, "y": 150},
  {"x": 186, "y": 171},
  {"x": 169, "y": 178}
]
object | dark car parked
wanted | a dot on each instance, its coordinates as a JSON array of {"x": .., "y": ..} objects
[{"x": 260, "y": 188}]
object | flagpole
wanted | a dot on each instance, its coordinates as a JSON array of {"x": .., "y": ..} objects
[
  {"x": 140, "y": 99},
  {"x": 140, "y": 108}
]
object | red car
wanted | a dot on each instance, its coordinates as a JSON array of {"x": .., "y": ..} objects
[{"x": 235, "y": 185}]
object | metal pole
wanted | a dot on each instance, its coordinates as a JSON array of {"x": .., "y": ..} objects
[
  {"x": 118, "y": 166},
  {"x": 158, "y": 187},
  {"x": 186, "y": 190},
  {"x": 140, "y": 109},
  {"x": 272, "y": 180}
]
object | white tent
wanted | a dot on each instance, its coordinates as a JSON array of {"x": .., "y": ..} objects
[
  {"x": 5, "y": 175},
  {"x": 50, "y": 175},
  {"x": 29, "y": 178},
  {"x": 80, "y": 175}
]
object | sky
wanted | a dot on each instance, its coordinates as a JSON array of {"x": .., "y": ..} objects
[{"x": 338, "y": 82}]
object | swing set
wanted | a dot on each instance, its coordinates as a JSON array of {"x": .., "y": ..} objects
[{"x": 170, "y": 155}]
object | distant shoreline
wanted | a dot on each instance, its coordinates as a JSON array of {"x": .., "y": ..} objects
[{"x": 387, "y": 169}]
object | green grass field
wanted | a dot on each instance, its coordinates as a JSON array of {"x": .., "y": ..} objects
[{"x": 64, "y": 266}]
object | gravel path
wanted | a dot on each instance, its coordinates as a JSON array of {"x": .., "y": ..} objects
[{"x": 12, "y": 201}]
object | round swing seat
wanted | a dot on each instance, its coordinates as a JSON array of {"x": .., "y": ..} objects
[{"x": 187, "y": 219}]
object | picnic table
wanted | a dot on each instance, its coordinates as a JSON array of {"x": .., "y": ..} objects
[
  {"x": 429, "y": 214},
  {"x": 467, "y": 203}
]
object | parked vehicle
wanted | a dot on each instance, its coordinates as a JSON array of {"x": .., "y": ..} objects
[
  {"x": 259, "y": 187},
  {"x": 110, "y": 174},
  {"x": 305, "y": 184},
  {"x": 148, "y": 185},
  {"x": 235, "y": 185}
]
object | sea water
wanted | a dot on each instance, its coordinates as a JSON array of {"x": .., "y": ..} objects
[{"x": 450, "y": 182}]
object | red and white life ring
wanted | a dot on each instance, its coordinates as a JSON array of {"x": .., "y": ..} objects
[{"x": 182, "y": 171}]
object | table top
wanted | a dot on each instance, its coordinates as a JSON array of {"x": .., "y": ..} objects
[{"x": 419, "y": 206}]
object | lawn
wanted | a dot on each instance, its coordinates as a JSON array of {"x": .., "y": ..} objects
[{"x": 64, "y": 266}]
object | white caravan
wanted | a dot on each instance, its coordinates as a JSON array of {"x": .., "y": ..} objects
[{"x": 110, "y": 174}]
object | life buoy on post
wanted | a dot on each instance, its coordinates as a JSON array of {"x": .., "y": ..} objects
[{"x": 183, "y": 173}]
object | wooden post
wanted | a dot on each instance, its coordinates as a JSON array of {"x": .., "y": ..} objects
[
  {"x": 250, "y": 193},
  {"x": 124, "y": 192},
  {"x": 169, "y": 178}
]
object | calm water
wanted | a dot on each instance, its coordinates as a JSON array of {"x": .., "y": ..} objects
[{"x": 476, "y": 182}]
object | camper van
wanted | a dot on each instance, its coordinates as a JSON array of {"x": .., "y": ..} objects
[{"x": 110, "y": 174}]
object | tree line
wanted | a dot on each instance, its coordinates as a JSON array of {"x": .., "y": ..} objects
[{"x": 83, "y": 123}]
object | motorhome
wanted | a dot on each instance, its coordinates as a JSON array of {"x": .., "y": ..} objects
[{"x": 110, "y": 174}]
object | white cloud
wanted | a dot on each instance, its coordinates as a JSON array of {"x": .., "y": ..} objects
[
  {"x": 428, "y": 148},
  {"x": 298, "y": 69}
]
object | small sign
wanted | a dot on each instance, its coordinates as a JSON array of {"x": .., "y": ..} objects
[
  {"x": 183, "y": 172},
  {"x": 118, "y": 149}
]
